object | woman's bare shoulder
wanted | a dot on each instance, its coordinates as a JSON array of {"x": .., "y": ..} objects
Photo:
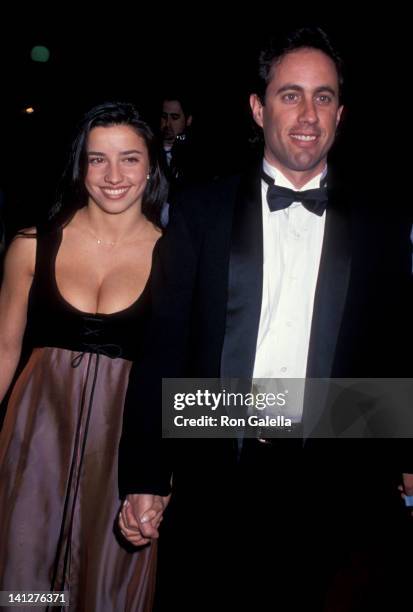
[{"x": 21, "y": 253}]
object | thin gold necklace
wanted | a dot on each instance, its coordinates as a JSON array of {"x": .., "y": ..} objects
[
  {"x": 110, "y": 243},
  {"x": 99, "y": 241}
]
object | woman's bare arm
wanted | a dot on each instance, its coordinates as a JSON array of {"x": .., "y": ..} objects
[{"x": 18, "y": 276}]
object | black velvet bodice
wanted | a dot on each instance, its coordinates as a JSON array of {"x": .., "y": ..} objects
[{"x": 53, "y": 322}]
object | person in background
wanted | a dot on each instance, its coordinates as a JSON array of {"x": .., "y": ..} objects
[{"x": 175, "y": 123}]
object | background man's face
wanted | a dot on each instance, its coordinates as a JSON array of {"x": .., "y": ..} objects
[
  {"x": 300, "y": 114},
  {"x": 173, "y": 121}
]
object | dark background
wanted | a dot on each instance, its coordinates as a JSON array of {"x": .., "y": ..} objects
[{"x": 119, "y": 52}]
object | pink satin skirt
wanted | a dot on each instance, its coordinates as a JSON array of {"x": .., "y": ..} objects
[{"x": 58, "y": 486}]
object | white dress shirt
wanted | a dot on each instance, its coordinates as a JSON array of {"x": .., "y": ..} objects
[{"x": 292, "y": 242}]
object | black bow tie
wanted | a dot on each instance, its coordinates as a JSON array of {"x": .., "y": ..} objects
[{"x": 278, "y": 198}]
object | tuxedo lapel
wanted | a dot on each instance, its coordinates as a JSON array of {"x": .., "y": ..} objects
[
  {"x": 329, "y": 303},
  {"x": 244, "y": 281},
  {"x": 331, "y": 289}
]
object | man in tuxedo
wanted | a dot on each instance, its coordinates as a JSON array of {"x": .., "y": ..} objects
[
  {"x": 283, "y": 272},
  {"x": 175, "y": 123}
]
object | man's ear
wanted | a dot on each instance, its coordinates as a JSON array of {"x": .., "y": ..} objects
[
  {"x": 256, "y": 108},
  {"x": 339, "y": 115},
  {"x": 188, "y": 120}
]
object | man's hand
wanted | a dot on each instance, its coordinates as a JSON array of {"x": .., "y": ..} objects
[{"x": 140, "y": 517}]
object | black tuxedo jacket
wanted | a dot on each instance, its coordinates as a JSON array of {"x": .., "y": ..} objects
[{"x": 206, "y": 288}]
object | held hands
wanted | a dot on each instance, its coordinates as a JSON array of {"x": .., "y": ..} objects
[{"x": 141, "y": 516}]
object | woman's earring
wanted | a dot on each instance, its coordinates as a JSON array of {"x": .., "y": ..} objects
[{"x": 148, "y": 176}]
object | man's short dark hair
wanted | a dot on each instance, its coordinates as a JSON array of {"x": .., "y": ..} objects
[
  {"x": 287, "y": 42},
  {"x": 180, "y": 97}
]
